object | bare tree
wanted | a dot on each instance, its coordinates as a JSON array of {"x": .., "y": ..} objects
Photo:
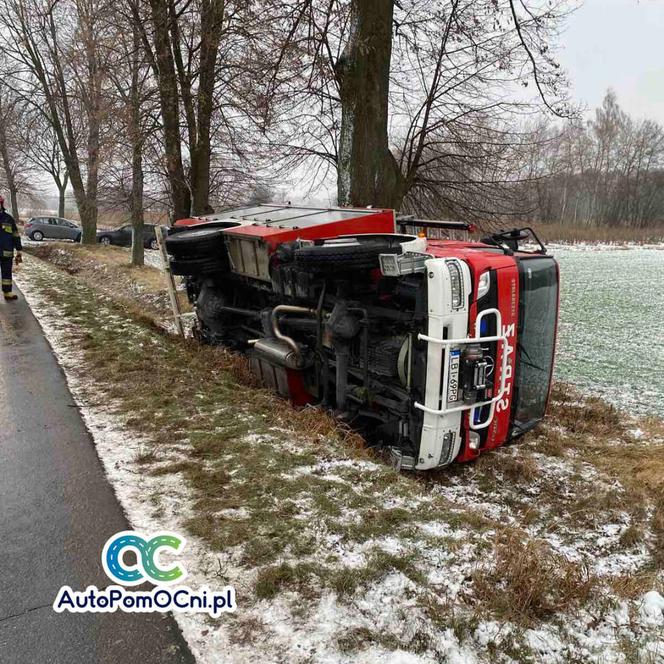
[
  {"x": 134, "y": 94},
  {"x": 58, "y": 52},
  {"x": 11, "y": 116},
  {"x": 607, "y": 171},
  {"x": 402, "y": 79},
  {"x": 183, "y": 43},
  {"x": 41, "y": 150}
]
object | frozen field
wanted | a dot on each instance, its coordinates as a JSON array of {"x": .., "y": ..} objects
[{"x": 612, "y": 324}]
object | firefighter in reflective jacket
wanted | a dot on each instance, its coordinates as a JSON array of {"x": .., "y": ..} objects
[{"x": 10, "y": 241}]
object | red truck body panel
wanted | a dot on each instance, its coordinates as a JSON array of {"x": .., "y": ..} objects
[{"x": 276, "y": 225}]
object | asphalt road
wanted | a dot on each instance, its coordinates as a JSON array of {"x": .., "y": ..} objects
[{"x": 56, "y": 511}]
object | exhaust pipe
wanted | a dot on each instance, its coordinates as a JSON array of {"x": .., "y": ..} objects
[{"x": 274, "y": 320}]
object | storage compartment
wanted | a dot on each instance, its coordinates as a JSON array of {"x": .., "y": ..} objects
[{"x": 249, "y": 257}]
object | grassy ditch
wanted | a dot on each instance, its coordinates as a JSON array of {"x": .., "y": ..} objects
[
  {"x": 107, "y": 269},
  {"x": 551, "y": 534}
]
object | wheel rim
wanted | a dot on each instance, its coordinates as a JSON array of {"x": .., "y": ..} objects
[
  {"x": 153, "y": 244},
  {"x": 37, "y": 236},
  {"x": 105, "y": 240}
]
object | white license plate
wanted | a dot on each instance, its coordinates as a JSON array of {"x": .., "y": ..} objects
[{"x": 453, "y": 379}]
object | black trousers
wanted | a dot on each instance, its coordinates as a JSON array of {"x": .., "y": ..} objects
[{"x": 6, "y": 270}]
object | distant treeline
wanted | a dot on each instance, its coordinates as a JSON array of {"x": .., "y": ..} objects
[{"x": 607, "y": 171}]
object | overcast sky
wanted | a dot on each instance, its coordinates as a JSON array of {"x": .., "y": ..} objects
[{"x": 617, "y": 44}]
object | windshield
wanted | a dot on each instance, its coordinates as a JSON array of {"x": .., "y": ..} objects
[{"x": 538, "y": 313}]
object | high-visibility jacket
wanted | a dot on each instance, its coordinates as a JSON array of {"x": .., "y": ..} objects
[{"x": 10, "y": 239}]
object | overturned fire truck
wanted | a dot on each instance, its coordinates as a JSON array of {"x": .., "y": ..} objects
[{"x": 435, "y": 349}]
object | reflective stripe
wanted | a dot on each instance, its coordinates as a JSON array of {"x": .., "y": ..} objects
[
  {"x": 7, "y": 228},
  {"x": 6, "y": 282},
  {"x": 8, "y": 254}
]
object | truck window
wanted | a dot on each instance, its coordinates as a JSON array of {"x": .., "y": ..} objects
[{"x": 538, "y": 314}]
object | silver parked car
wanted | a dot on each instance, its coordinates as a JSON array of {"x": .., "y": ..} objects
[{"x": 39, "y": 228}]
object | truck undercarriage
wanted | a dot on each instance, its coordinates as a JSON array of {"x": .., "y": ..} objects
[{"x": 413, "y": 342}]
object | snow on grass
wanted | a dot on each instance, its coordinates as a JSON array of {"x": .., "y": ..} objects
[
  {"x": 109, "y": 268},
  {"x": 153, "y": 259},
  {"x": 335, "y": 557}
]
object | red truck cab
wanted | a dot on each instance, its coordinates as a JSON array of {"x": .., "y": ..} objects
[
  {"x": 512, "y": 308},
  {"x": 435, "y": 349}
]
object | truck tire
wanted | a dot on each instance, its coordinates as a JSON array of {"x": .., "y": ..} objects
[
  {"x": 196, "y": 243},
  {"x": 193, "y": 267},
  {"x": 215, "y": 326},
  {"x": 336, "y": 255}
]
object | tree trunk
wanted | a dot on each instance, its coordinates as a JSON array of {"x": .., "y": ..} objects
[
  {"x": 212, "y": 17},
  {"x": 199, "y": 174},
  {"x": 62, "y": 190},
  {"x": 64, "y": 130},
  {"x": 168, "y": 97},
  {"x": 368, "y": 174},
  {"x": 13, "y": 197},
  {"x": 137, "y": 249},
  {"x": 87, "y": 210},
  {"x": 563, "y": 210},
  {"x": 93, "y": 112},
  {"x": 92, "y": 181}
]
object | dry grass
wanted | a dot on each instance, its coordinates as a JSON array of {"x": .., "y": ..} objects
[
  {"x": 633, "y": 586},
  {"x": 599, "y": 434},
  {"x": 359, "y": 638},
  {"x": 657, "y": 525},
  {"x": 247, "y": 629},
  {"x": 552, "y": 442},
  {"x": 529, "y": 583},
  {"x": 603, "y": 435},
  {"x": 109, "y": 269},
  {"x": 78, "y": 258},
  {"x": 355, "y": 639},
  {"x": 584, "y": 415},
  {"x": 511, "y": 468}
]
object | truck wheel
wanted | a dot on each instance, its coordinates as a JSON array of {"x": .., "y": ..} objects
[
  {"x": 192, "y": 267},
  {"x": 196, "y": 243},
  {"x": 215, "y": 325},
  {"x": 344, "y": 254}
]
